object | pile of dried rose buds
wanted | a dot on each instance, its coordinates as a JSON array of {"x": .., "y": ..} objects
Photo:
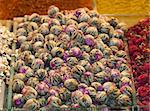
[
  {"x": 71, "y": 59},
  {"x": 139, "y": 49}
]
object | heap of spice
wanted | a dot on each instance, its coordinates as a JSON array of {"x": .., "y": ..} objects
[
  {"x": 139, "y": 49},
  {"x": 6, "y": 40},
  {"x": 123, "y": 6},
  {"x": 69, "y": 59}
]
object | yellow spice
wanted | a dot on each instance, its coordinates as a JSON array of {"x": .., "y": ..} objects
[
  {"x": 123, "y": 6},
  {"x": 128, "y": 11}
]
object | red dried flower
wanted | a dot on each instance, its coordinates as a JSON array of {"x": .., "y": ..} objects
[
  {"x": 143, "y": 91},
  {"x": 135, "y": 54},
  {"x": 143, "y": 79},
  {"x": 138, "y": 38},
  {"x": 146, "y": 67},
  {"x": 133, "y": 48},
  {"x": 139, "y": 41}
]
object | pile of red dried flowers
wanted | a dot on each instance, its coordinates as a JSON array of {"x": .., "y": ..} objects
[{"x": 139, "y": 49}]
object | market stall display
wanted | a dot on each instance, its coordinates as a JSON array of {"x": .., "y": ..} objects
[
  {"x": 72, "y": 59},
  {"x": 139, "y": 49}
]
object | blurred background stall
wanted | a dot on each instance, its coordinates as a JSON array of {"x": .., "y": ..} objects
[{"x": 129, "y": 11}]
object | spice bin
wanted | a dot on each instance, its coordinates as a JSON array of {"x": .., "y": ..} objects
[{"x": 133, "y": 98}]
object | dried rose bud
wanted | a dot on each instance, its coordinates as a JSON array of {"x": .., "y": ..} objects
[
  {"x": 86, "y": 56},
  {"x": 52, "y": 11},
  {"x": 71, "y": 61},
  {"x": 18, "y": 100},
  {"x": 45, "y": 19},
  {"x": 21, "y": 32},
  {"x": 116, "y": 42},
  {"x": 66, "y": 55},
  {"x": 31, "y": 104},
  {"x": 50, "y": 37},
  {"x": 56, "y": 63},
  {"x": 121, "y": 53},
  {"x": 42, "y": 88},
  {"x": 21, "y": 39},
  {"x": 127, "y": 90},
  {"x": 89, "y": 40},
  {"x": 53, "y": 22},
  {"x": 27, "y": 71},
  {"x": 92, "y": 31},
  {"x": 53, "y": 92},
  {"x": 76, "y": 95},
  {"x": 113, "y": 93},
  {"x": 102, "y": 77},
  {"x": 83, "y": 17},
  {"x": 123, "y": 67},
  {"x": 49, "y": 45},
  {"x": 91, "y": 92},
  {"x": 97, "y": 67},
  {"x": 79, "y": 37},
  {"x": 104, "y": 37},
  {"x": 98, "y": 86},
  {"x": 71, "y": 31},
  {"x": 35, "y": 17},
  {"x": 29, "y": 92},
  {"x": 113, "y": 22},
  {"x": 53, "y": 102},
  {"x": 19, "y": 63},
  {"x": 83, "y": 26},
  {"x": 37, "y": 64},
  {"x": 71, "y": 22},
  {"x": 76, "y": 52},
  {"x": 56, "y": 30},
  {"x": 18, "y": 85},
  {"x": 71, "y": 84},
  {"x": 82, "y": 86},
  {"x": 85, "y": 101},
  {"x": 20, "y": 76},
  {"x": 60, "y": 17},
  {"x": 44, "y": 29},
  {"x": 55, "y": 78},
  {"x": 115, "y": 75},
  {"x": 101, "y": 97},
  {"x": 126, "y": 73},
  {"x": 108, "y": 86},
  {"x": 87, "y": 78},
  {"x": 96, "y": 55},
  {"x": 77, "y": 71},
  {"x": 57, "y": 52},
  {"x": 32, "y": 26},
  {"x": 125, "y": 81},
  {"x": 118, "y": 34},
  {"x": 124, "y": 100},
  {"x": 79, "y": 11},
  {"x": 32, "y": 81},
  {"x": 37, "y": 46},
  {"x": 64, "y": 94},
  {"x": 94, "y": 22},
  {"x": 41, "y": 74}
]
